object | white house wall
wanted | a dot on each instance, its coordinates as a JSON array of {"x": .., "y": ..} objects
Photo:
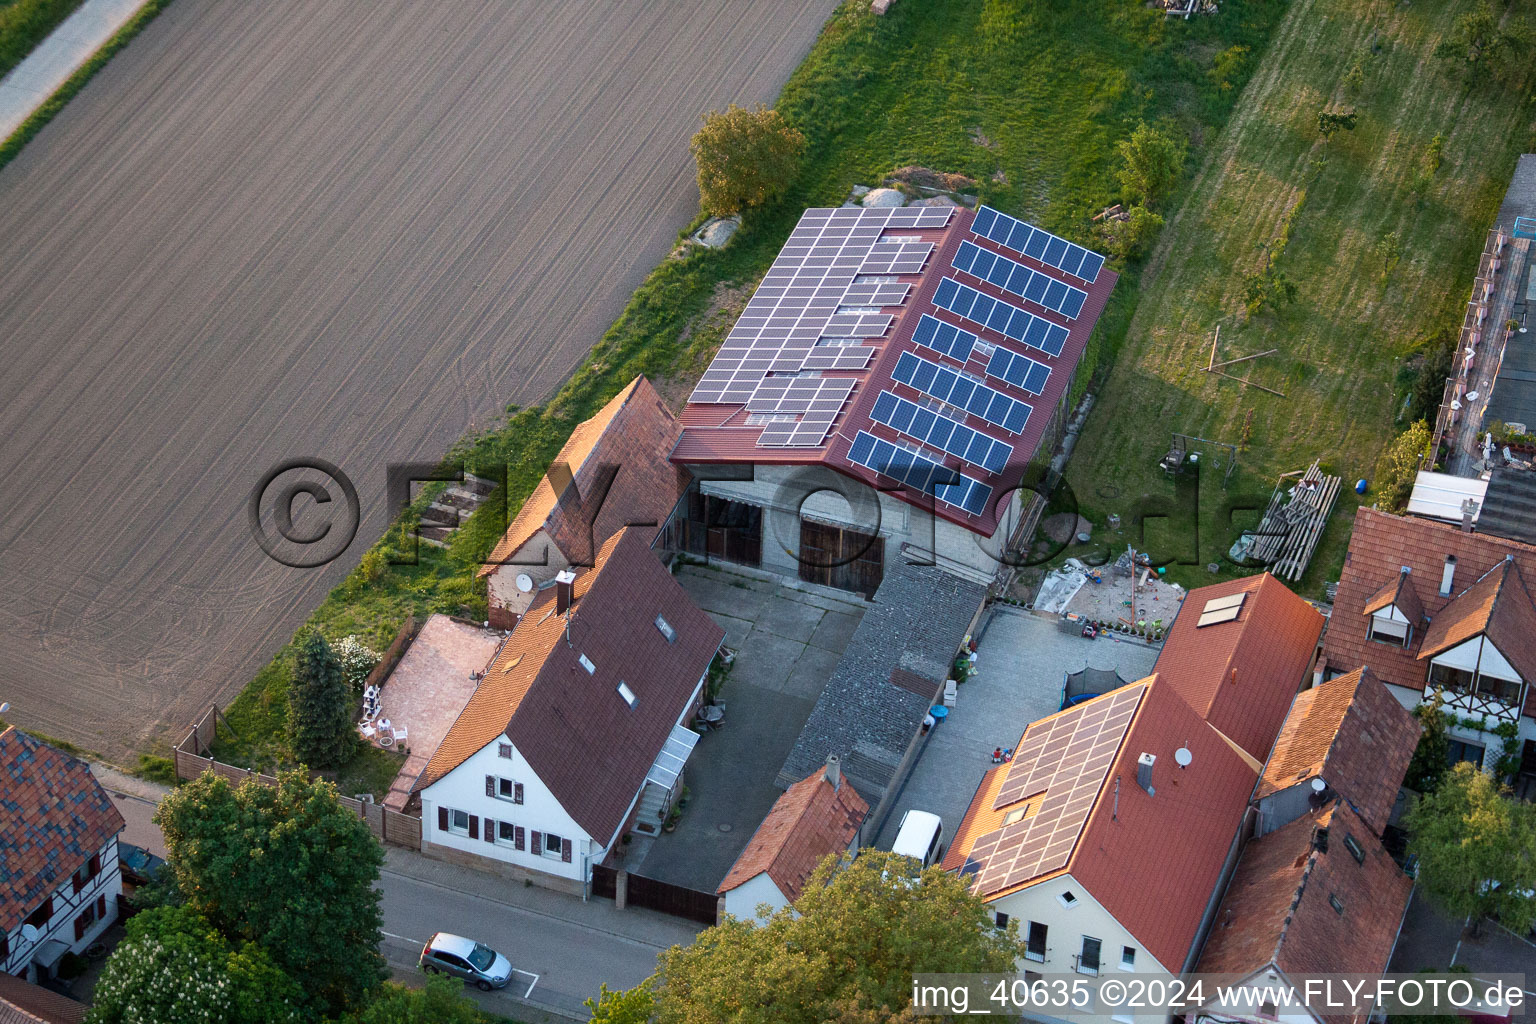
[
  {"x": 1493, "y": 745},
  {"x": 1241, "y": 1009},
  {"x": 952, "y": 547},
  {"x": 1064, "y": 938},
  {"x": 742, "y": 901},
  {"x": 1466, "y": 656},
  {"x": 463, "y": 789},
  {"x": 68, "y": 905}
]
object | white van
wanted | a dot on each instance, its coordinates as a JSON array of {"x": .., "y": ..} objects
[{"x": 919, "y": 837}]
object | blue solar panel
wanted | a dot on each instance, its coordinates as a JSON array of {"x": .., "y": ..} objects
[
  {"x": 928, "y": 427},
  {"x": 961, "y": 392},
  {"x": 1037, "y": 244},
  {"x": 1003, "y": 317},
  {"x": 952, "y": 488},
  {"x": 1020, "y": 371},
  {"x": 946, "y": 338},
  {"x": 1020, "y": 280}
]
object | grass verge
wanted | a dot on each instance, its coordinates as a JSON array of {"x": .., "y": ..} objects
[
  {"x": 25, "y": 23},
  {"x": 1027, "y": 98},
  {"x": 1381, "y": 249},
  {"x": 66, "y": 92}
]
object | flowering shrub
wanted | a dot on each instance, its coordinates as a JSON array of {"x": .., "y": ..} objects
[{"x": 357, "y": 660}]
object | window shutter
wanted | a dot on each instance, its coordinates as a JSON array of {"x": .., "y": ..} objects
[
  {"x": 442, "y": 819},
  {"x": 565, "y": 850},
  {"x": 474, "y": 826},
  {"x": 538, "y": 843},
  {"x": 490, "y": 830},
  {"x": 490, "y": 785},
  {"x": 101, "y": 906},
  {"x": 95, "y": 864},
  {"x": 80, "y": 926},
  {"x": 517, "y": 792},
  {"x": 517, "y": 837},
  {"x": 77, "y": 882}
]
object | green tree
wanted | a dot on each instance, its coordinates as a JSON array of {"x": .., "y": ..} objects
[
  {"x": 1431, "y": 758},
  {"x": 1476, "y": 38},
  {"x": 285, "y": 867},
  {"x": 1330, "y": 121},
  {"x": 1476, "y": 849},
  {"x": 1153, "y": 161},
  {"x": 745, "y": 158},
  {"x": 441, "y": 1002},
  {"x": 1399, "y": 465},
  {"x": 862, "y": 930},
  {"x": 1388, "y": 250},
  {"x": 175, "y": 968},
  {"x": 625, "y": 1006},
  {"x": 1132, "y": 238},
  {"x": 320, "y": 731},
  {"x": 1436, "y": 362}
]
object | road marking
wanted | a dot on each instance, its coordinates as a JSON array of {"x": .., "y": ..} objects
[
  {"x": 402, "y": 938},
  {"x": 532, "y": 983}
]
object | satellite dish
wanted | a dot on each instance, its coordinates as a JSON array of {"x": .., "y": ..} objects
[
  {"x": 29, "y": 933},
  {"x": 4, "y": 707},
  {"x": 1455, "y": 404},
  {"x": 1471, "y": 396},
  {"x": 1318, "y": 785},
  {"x": 1183, "y": 758},
  {"x": 524, "y": 582}
]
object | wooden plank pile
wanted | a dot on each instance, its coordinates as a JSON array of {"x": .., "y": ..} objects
[{"x": 1294, "y": 521}]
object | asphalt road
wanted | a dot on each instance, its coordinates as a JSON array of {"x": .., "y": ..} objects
[{"x": 349, "y": 229}]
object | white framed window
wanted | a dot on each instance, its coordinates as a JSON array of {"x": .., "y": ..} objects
[
  {"x": 1068, "y": 898},
  {"x": 1386, "y": 631},
  {"x": 586, "y": 663},
  {"x": 458, "y": 822},
  {"x": 1127, "y": 958},
  {"x": 1034, "y": 943},
  {"x": 506, "y": 833},
  {"x": 552, "y": 844},
  {"x": 1088, "y": 958},
  {"x": 507, "y": 789},
  {"x": 626, "y": 693}
]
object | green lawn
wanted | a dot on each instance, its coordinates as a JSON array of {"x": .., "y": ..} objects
[
  {"x": 1343, "y": 342},
  {"x": 1028, "y": 98},
  {"x": 25, "y": 23}
]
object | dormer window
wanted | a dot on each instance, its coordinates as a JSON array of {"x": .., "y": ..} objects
[{"x": 1387, "y": 627}]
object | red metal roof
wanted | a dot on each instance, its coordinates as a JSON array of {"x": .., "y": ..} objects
[{"x": 719, "y": 433}]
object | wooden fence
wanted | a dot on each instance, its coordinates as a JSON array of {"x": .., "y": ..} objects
[
  {"x": 677, "y": 900},
  {"x": 387, "y": 825}
]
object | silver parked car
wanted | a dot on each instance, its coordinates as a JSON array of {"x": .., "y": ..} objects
[{"x": 476, "y": 963}]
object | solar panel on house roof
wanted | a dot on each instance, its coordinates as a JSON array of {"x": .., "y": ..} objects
[
  {"x": 1003, "y": 317},
  {"x": 1017, "y": 279},
  {"x": 920, "y": 473},
  {"x": 1067, "y": 758},
  {"x": 805, "y": 294},
  {"x": 961, "y": 391},
  {"x": 1020, "y": 371},
  {"x": 955, "y": 342},
  {"x": 1037, "y": 244},
  {"x": 1221, "y": 609},
  {"x": 931, "y": 428}
]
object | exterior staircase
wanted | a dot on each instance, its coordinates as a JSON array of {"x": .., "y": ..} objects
[
  {"x": 452, "y": 507},
  {"x": 651, "y": 812}
]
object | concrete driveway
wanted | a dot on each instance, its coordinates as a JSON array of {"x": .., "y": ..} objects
[
  {"x": 787, "y": 643},
  {"x": 1020, "y": 660},
  {"x": 349, "y": 229}
]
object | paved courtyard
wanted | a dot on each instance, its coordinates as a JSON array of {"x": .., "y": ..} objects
[
  {"x": 1020, "y": 660},
  {"x": 1431, "y": 940},
  {"x": 787, "y": 643}
]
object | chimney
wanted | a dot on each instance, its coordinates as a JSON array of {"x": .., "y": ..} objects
[
  {"x": 834, "y": 772},
  {"x": 1144, "y": 772},
  {"x": 565, "y": 583},
  {"x": 1447, "y": 576},
  {"x": 1468, "y": 513}
]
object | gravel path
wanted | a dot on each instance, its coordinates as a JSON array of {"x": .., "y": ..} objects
[{"x": 339, "y": 228}]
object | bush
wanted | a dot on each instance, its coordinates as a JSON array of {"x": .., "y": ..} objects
[
  {"x": 1399, "y": 464},
  {"x": 745, "y": 158},
  {"x": 1153, "y": 161}
]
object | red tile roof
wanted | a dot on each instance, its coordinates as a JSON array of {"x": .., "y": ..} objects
[
  {"x": 1497, "y": 606},
  {"x": 579, "y": 735},
  {"x": 1153, "y": 861},
  {"x": 1379, "y": 546},
  {"x": 633, "y": 434},
  {"x": 1354, "y": 735},
  {"x": 810, "y": 820},
  {"x": 1400, "y": 593},
  {"x": 53, "y": 817},
  {"x": 720, "y": 434},
  {"x": 1241, "y": 675},
  {"x": 1277, "y": 910},
  {"x": 23, "y": 1003}
]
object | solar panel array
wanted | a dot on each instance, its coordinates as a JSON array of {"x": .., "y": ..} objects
[
  {"x": 920, "y": 473},
  {"x": 961, "y": 391},
  {"x": 1037, "y": 244},
  {"x": 1003, "y": 317},
  {"x": 1020, "y": 371},
  {"x": 939, "y": 431},
  {"x": 1020, "y": 280},
  {"x": 955, "y": 342},
  {"x": 805, "y": 296},
  {"x": 820, "y": 399},
  {"x": 1067, "y": 757}
]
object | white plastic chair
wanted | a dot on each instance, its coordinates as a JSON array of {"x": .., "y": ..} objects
[
  {"x": 950, "y": 690},
  {"x": 366, "y": 728},
  {"x": 400, "y": 734}
]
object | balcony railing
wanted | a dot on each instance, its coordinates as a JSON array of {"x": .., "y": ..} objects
[{"x": 1486, "y": 705}]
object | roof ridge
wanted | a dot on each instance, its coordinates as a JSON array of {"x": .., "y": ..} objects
[{"x": 1313, "y": 854}]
